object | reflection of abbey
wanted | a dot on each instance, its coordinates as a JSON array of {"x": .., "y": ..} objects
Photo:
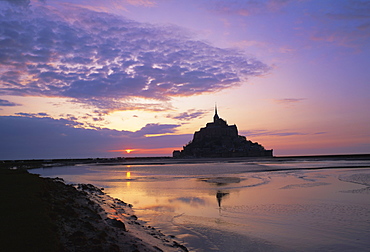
[{"x": 218, "y": 139}]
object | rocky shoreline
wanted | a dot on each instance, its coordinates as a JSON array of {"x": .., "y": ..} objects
[
  {"x": 45, "y": 214},
  {"x": 89, "y": 220}
]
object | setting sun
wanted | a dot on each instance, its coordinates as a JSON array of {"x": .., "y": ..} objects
[{"x": 128, "y": 151}]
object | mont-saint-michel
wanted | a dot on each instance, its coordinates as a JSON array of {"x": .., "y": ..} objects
[{"x": 218, "y": 139}]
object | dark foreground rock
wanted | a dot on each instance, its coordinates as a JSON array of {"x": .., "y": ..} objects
[{"x": 74, "y": 218}]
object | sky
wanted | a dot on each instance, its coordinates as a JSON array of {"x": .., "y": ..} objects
[{"x": 130, "y": 78}]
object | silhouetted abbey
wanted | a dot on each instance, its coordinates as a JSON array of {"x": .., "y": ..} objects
[{"x": 218, "y": 139}]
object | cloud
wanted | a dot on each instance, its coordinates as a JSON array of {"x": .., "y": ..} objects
[
  {"x": 33, "y": 137},
  {"x": 156, "y": 128},
  {"x": 189, "y": 115},
  {"x": 288, "y": 101},
  {"x": 32, "y": 114},
  {"x": 7, "y": 103},
  {"x": 252, "y": 133},
  {"x": 105, "y": 61},
  {"x": 21, "y": 3}
]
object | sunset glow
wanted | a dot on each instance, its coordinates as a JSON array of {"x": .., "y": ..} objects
[{"x": 138, "y": 78}]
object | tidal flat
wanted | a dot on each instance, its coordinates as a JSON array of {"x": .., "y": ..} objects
[{"x": 295, "y": 204}]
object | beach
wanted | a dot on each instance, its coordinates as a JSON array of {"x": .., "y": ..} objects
[{"x": 242, "y": 204}]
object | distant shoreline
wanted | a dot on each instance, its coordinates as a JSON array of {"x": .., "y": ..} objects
[{"x": 45, "y": 163}]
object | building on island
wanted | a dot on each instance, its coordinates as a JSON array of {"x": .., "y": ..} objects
[{"x": 218, "y": 139}]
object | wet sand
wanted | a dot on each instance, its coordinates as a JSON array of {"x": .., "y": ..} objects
[{"x": 231, "y": 205}]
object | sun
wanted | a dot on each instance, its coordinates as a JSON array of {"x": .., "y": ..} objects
[{"x": 128, "y": 151}]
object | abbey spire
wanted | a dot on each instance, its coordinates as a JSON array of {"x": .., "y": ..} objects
[{"x": 215, "y": 117}]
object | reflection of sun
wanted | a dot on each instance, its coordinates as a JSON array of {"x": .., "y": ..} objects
[{"x": 128, "y": 176}]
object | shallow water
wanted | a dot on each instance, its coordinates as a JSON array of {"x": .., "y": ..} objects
[{"x": 241, "y": 206}]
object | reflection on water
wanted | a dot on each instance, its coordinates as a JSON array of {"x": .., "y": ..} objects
[
  {"x": 219, "y": 196},
  {"x": 231, "y": 206},
  {"x": 128, "y": 176}
]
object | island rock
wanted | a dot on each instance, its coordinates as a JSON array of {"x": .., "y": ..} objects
[{"x": 218, "y": 139}]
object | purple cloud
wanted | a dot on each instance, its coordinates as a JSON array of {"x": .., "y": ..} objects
[
  {"x": 189, "y": 115},
  {"x": 248, "y": 133},
  {"x": 20, "y": 3},
  {"x": 156, "y": 128},
  {"x": 104, "y": 60},
  {"x": 33, "y": 115},
  {"x": 289, "y": 100},
  {"x": 30, "y": 137},
  {"x": 7, "y": 103}
]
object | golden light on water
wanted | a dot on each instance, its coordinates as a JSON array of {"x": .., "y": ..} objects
[{"x": 128, "y": 176}]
